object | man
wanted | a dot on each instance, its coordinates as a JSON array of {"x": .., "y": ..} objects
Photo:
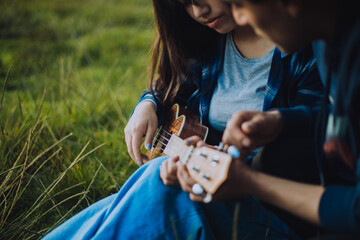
[{"x": 334, "y": 29}]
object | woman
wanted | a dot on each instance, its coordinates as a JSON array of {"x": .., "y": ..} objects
[
  {"x": 199, "y": 67},
  {"x": 195, "y": 67}
]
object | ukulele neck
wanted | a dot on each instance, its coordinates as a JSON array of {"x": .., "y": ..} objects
[{"x": 177, "y": 147}]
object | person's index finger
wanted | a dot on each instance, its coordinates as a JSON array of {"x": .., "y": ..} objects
[
  {"x": 192, "y": 140},
  {"x": 255, "y": 125},
  {"x": 171, "y": 166},
  {"x": 136, "y": 143},
  {"x": 232, "y": 135},
  {"x": 247, "y": 127},
  {"x": 129, "y": 147}
]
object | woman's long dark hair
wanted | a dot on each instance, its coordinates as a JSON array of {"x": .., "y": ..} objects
[{"x": 179, "y": 39}]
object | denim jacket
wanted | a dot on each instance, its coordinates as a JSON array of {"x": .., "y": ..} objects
[{"x": 293, "y": 81}]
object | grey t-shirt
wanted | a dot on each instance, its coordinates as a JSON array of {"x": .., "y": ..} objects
[{"x": 241, "y": 85}]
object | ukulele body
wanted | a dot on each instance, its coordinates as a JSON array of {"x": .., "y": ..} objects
[{"x": 180, "y": 122}]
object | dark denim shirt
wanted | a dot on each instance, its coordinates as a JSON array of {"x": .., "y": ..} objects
[
  {"x": 339, "y": 208},
  {"x": 293, "y": 81}
]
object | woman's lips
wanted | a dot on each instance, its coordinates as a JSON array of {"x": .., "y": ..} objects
[{"x": 212, "y": 23}]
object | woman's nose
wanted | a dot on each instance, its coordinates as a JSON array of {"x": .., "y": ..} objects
[{"x": 201, "y": 10}]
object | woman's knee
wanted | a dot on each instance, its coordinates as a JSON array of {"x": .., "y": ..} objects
[{"x": 154, "y": 165}]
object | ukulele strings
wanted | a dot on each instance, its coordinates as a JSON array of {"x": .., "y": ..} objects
[
  {"x": 164, "y": 145},
  {"x": 159, "y": 136}
]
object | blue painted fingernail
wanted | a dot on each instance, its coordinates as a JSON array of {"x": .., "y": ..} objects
[
  {"x": 148, "y": 146},
  {"x": 233, "y": 151},
  {"x": 139, "y": 163}
]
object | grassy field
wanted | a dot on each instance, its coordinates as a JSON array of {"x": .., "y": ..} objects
[{"x": 70, "y": 74}]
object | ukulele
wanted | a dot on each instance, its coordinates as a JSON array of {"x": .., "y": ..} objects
[
  {"x": 206, "y": 165},
  {"x": 180, "y": 122}
]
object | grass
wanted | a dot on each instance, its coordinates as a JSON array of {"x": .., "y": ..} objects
[{"x": 70, "y": 74}]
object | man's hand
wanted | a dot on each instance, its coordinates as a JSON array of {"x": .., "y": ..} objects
[{"x": 248, "y": 130}]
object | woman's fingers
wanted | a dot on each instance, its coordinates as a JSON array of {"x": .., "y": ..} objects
[
  {"x": 171, "y": 166},
  {"x": 194, "y": 140},
  {"x": 186, "y": 182},
  {"x": 143, "y": 122},
  {"x": 168, "y": 171},
  {"x": 128, "y": 140},
  {"x": 136, "y": 144},
  {"x": 150, "y": 132}
]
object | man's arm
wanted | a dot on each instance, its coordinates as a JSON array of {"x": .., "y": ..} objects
[{"x": 300, "y": 199}]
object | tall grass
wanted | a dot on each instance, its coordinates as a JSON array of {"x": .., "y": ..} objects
[{"x": 70, "y": 74}]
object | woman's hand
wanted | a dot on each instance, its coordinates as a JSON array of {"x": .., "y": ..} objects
[
  {"x": 168, "y": 170},
  {"x": 144, "y": 121}
]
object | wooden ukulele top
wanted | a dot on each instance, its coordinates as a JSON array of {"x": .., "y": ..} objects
[{"x": 180, "y": 122}]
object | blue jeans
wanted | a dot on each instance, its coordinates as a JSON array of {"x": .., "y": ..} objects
[{"x": 145, "y": 208}]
